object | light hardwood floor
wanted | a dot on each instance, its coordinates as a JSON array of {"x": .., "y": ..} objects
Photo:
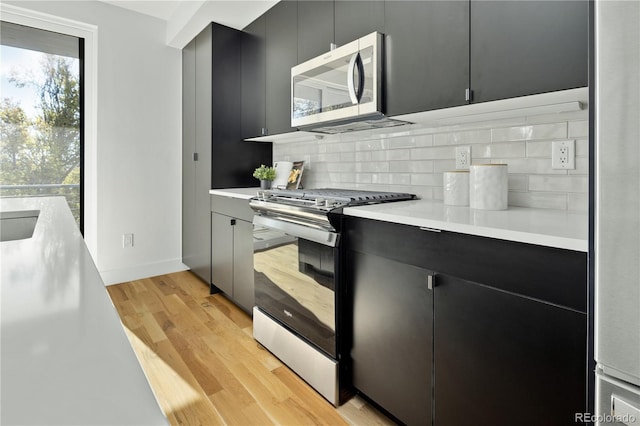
[{"x": 204, "y": 366}]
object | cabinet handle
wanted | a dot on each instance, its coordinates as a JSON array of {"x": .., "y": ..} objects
[
  {"x": 468, "y": 95},
  {"x": 195, "y": 156},
  {"x": 232, "y": 222},
  {"x": 424, "y": 228},
  {"x": 431, "y": 282}
]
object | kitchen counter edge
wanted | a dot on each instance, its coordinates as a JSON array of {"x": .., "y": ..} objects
[{"x": 552, "y": 228}]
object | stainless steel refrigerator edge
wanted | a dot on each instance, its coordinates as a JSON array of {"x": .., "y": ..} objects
[{"x": 617, "y": 212}]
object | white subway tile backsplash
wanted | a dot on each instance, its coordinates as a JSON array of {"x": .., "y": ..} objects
[
  {"x": 373, "y": 166},
  {"x": 518, "y": 133},
  {"x": 501, "y": 150},
  {"x": 440, "y": 166},
  {"x": 539, "y": 200},
  {"x": 578, "y": 202},
  {"x": 423, "y": 140},
  {"x": 539, "y": 149},
  {"x": 582, "y": 166},
  {"x": 462, "y": 137},
  {"x": 413, "y": 158},
  {"x": 416, "y": 166},
  {"x": 547, "y": 131},
  {"x": 430, "y": 179},
  {"x": 578, "y": 129},
  {"x": 529, "y": 165},
  {"x": 559, "y": 183},
  {"x": 433, "y": 153},
  {"x": 582, "y": 147},
  {"x": 518, "y": 182}
]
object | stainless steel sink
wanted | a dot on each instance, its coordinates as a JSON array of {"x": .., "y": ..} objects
[{"x": 17, "y": 225}]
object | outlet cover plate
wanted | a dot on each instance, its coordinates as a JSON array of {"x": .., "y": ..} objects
[
  {"x": 563, "y": 155},
  {"x": 463, "y": 157}
]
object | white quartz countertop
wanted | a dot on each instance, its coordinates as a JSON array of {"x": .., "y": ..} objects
[
  {"x": 65, "y": 356},
  {"x": 552, "y": 228},
  {"x": 243, "y": 193}
]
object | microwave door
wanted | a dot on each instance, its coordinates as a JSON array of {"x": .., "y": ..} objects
[{"x": 321, "y": 87}]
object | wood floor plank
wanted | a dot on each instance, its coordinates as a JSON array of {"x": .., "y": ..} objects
[{"x": 204, "y": 366}]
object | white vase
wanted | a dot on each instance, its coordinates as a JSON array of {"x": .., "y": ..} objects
[{"x": 488, "y": 186}]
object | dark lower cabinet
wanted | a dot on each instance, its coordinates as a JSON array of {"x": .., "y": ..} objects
[
  {"x": 501, "y": 339},
  {"x": 504, "y": 359},
  {"x": 392, "y": 335}
]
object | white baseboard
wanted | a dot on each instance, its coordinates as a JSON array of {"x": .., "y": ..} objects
[{"x": 120, "y": 275}]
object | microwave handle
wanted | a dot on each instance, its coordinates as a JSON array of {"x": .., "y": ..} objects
[{"x": 356, "y": 61}]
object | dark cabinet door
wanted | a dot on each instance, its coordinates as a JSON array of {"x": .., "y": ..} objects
[
  {"x": 315, "y": 28},
  {"x": 253, "y": 114},
  {"x": 281, "y": 55},
  {"x": 527, "y": 47},
  {"x": 222, "y": 252},
  {"x": 392, "y": 335},
  {"x": 504, "y": 359},
  {"x": 354, "y": 19},
  {"x": 427, "y": 55}
]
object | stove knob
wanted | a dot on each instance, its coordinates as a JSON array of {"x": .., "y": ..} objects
[{"x": 319, "y": 201}]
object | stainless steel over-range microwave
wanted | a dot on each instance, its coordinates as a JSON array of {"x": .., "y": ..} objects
[{"x": 340, "y": 90}]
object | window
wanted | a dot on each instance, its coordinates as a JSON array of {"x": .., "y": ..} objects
[{"x": 41, "y": 131}]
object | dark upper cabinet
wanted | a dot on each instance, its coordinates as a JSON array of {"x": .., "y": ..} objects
[
  {"x": 281, "y": 54},
  {"x": 315, "y": 28},
  {"x": 214, "y": 155},
  {"x": 427, "y": 55},
  {"x": 354, "y": 19},
  {"x": 253, "y": 100},
  {"x": 499, "y": 355},
  {"x": 527, "y": 47}
]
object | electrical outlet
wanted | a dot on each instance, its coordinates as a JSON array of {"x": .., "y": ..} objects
[
  {"x": 127, "y": 240},
  {"x": 563, "y": 155},
  {"x": 463, "y": 157}
]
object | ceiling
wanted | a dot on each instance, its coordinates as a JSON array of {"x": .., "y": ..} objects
[
  {"x": 163, "y": 9},
  {"x": 186, "y": 18}
]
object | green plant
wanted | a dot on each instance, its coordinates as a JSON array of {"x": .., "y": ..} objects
[{"x": 264, "y": 173}]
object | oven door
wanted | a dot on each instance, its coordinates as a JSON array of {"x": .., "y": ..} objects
[{"x": 294, "y": 269}]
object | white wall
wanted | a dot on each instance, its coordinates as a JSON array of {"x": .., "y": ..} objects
[{"x": 138, "y": 139}]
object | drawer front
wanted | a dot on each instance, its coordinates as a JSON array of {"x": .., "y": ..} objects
[{"x": 553, "y": 275}]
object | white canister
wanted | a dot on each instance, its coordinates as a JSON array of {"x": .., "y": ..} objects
[
  {"x": 456, "y": 188},
  {"x": 488, "y": 186}
]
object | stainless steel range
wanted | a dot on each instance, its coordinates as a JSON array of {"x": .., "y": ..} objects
[{"x": 298, "y": 293}]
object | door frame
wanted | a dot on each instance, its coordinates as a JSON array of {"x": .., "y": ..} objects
[{"x": 89, "y": 34}]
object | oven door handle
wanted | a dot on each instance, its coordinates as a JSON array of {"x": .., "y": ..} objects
[{"x": 319, "y": 236}]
